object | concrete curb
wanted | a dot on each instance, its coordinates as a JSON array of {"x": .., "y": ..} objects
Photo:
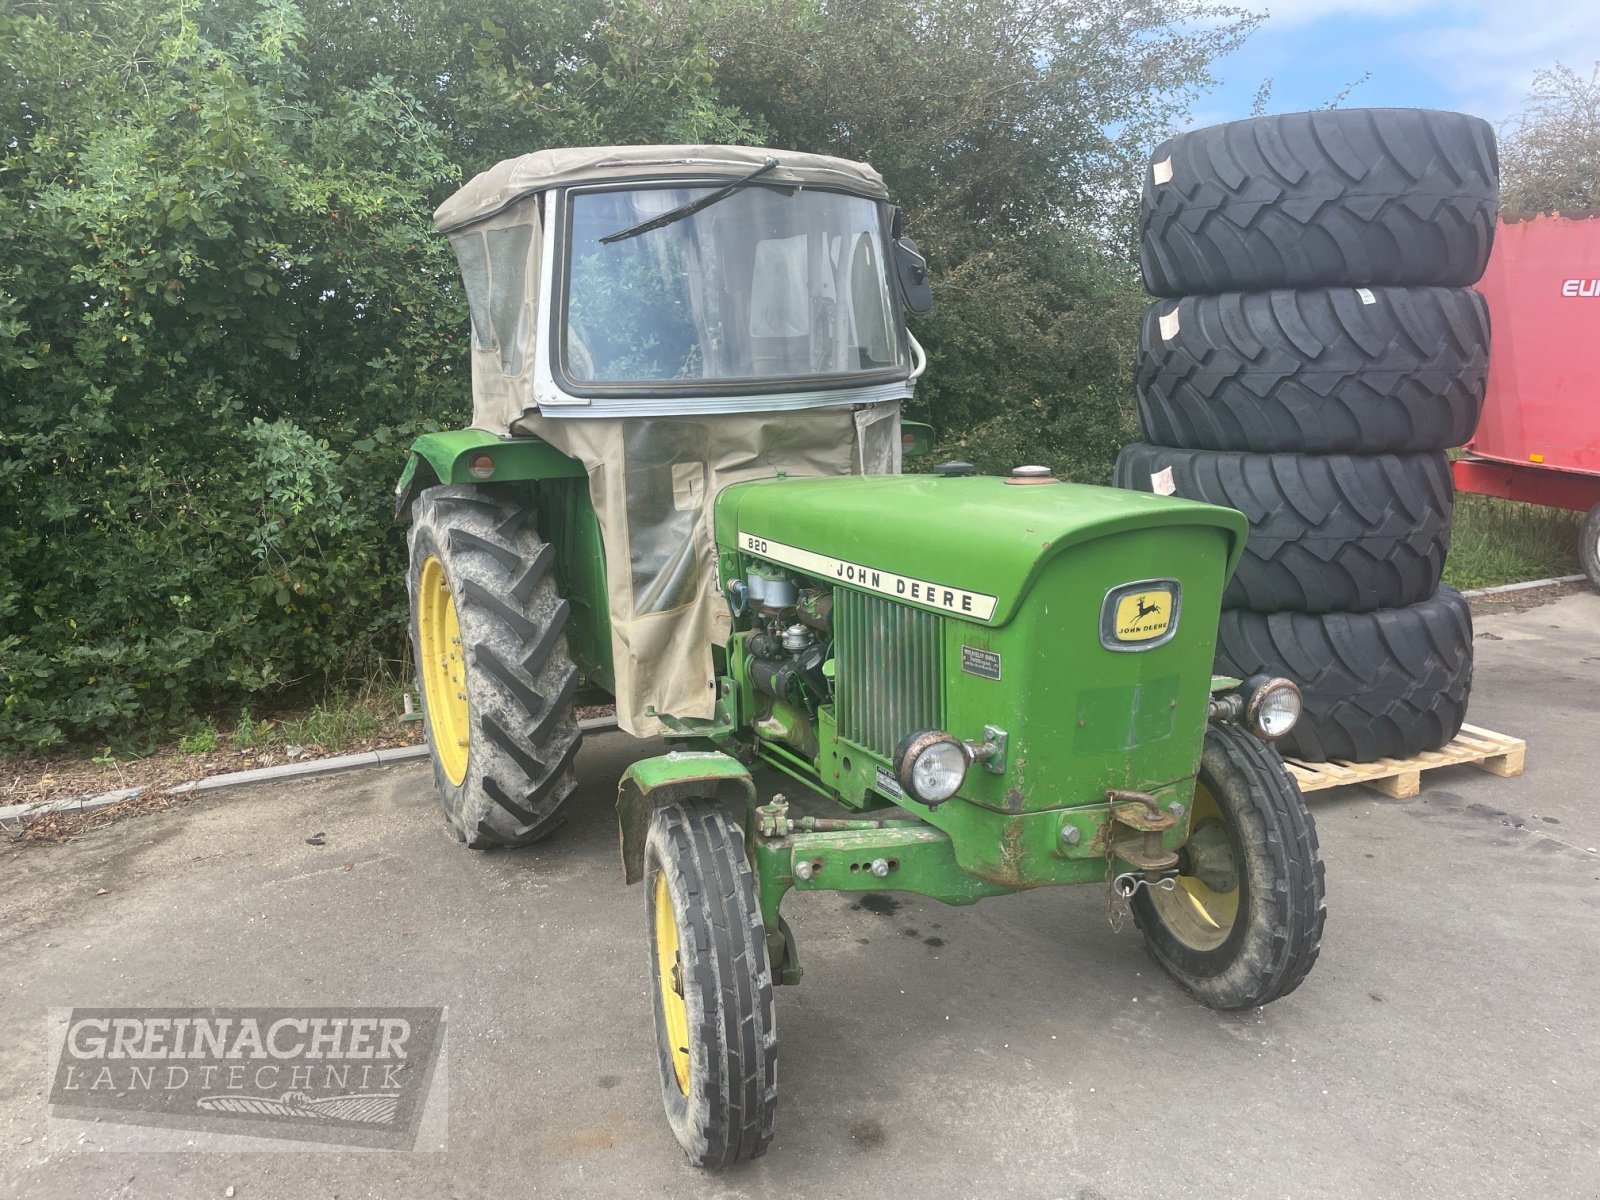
[
  {"x": 299, "y": 770},
  {"x": 1529, "y": 586}
]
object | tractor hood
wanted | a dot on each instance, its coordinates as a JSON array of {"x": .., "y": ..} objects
[{"x": 976, "y": 543}]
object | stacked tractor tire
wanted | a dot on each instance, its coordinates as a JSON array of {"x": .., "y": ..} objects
[{"x": 1316, "y": 350}]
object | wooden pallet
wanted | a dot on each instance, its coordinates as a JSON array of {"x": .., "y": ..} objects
[{"x": 1402, "y": 777}]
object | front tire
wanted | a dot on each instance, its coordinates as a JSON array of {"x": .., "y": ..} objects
[
  {"x": 1244, "y": 925},
  {"x": 715, "y": 1034},
  {"x": 496, "y": 680}
]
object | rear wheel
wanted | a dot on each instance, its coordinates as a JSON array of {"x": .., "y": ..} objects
[
  {"x": 1589, "y": 545},
  {"x": 715, "y": 1034},
  {"x": 492, "y": 666},
  {"x": 1244, "y": 925}
]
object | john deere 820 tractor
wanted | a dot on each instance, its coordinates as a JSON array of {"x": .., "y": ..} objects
[{"x": 682, "y": 488}]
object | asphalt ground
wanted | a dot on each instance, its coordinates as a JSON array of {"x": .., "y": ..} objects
[{"x": 1446, "y": 1045}]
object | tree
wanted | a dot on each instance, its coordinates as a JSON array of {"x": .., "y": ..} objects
[
  {"x": 1014, "y": 134},
  {"x": 1550, "y": 154},
  {"x": 224, "y": 310}
]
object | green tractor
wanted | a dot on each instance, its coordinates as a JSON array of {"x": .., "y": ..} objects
[{"x": 681, "y": 489}]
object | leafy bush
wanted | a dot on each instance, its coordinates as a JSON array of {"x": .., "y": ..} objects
[{"x": 224, "y": 312}]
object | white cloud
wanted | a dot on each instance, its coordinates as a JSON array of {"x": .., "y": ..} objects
[
  {"x": 1487, "y": 56},
  {"x": 1482, "y": 52},
  {"x": 1284, "y": 13}
]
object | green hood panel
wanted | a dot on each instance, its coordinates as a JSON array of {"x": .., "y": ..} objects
[{"x": 977, "y": 534}]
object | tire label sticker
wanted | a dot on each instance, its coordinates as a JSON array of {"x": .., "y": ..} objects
[
  {"x": 983, "y": 663},
  {"x": 1161, "y": 172},
  {"x": 1162, "y": 483},
  {"x": 924, "y": 593},
  {"x": 888, "y": 784},
  {"x": 1169, "y": 325},
  {"x": 1366, "y": 296}
]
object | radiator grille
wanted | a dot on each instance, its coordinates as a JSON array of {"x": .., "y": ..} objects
[{"x": 888, "y": 670}]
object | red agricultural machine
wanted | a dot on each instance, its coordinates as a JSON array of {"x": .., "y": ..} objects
[{"x": 1538, "y": 439}]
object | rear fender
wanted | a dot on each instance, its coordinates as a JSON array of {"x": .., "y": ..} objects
[
  {"x": 680, "y": 775},
  {"x": 448, "y": 457}
]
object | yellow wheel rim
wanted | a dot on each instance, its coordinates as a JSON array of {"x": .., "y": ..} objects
[
  {"x": 1198, "y": 913},
  {"x": 444, "y": 670},
  {"x": 669, "y": 978}
]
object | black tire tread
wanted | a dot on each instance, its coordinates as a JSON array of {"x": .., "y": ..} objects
[
  {"x": 1385, "y": 684},
  {"x": 520, "y": 677},
  {"x": 1293, "y": 913},
  {"x": 1335, "y": 532},
  {"x": 1315, "y": 371},
  {"x": 1358, "y": 197},
  {"x": 715, "y": 894}
]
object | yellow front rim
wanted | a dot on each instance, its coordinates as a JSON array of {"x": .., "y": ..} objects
[
  {"x": 444, "y": 670},
  {"x": 669, "y": 978},
  {"x": 1198, "y": 915}
]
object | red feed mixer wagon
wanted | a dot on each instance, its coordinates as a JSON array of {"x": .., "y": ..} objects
[{"x": 1538, "y": 439}]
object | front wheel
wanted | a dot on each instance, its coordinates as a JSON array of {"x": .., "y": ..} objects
[
  {"x": 1244, "y": 924},
  {"x": 715, "y": 1034}
]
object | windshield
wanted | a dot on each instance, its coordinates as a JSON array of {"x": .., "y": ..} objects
[{"x": 766, "y": 283}]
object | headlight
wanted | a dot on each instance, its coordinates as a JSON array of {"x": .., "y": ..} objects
[
  {"x": 930, "y": 766},
  {"x": 1272, "y": 705}
]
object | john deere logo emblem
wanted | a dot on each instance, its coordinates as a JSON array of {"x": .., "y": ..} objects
[
  {"x": 1138, "y": 616},
  {"x": 1143, "y": 615}
]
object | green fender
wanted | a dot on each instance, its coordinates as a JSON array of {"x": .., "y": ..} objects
[
  {"x": 680, "y": 775},
  {"x": 447, "y": 458}
]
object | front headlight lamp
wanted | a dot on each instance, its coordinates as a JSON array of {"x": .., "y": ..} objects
[
  {"x": 1272, "y": 706},
  {"x": 931, "y": 766}
]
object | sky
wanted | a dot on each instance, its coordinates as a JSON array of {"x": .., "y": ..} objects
[{"x": 1476, "y": 56}]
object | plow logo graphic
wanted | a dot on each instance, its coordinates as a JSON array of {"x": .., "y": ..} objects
[{"x": 347, "y": 1076}]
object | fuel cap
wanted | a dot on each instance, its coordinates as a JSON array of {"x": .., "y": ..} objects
[
  {"x": 952, "y": 470},
  {"x": 1031, "y": 474}
]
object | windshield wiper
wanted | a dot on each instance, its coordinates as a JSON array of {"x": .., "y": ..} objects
[{"x": 689, "y": 209}]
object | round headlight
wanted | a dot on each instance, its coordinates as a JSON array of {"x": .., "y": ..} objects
[
  {"x": 931, "y": 766},
  {"x": 1272, "y": 706}
]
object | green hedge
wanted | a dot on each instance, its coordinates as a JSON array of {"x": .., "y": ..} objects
[{"x": 223, "y": 310}]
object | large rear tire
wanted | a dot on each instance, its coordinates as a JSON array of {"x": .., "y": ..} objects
[
  {"x": 1328, "y": 533},
  {"x": 1319, "y": 371},
  {"x": 1244, "y": 925},
  {"x": 1386, "y": 684},
  {"x": 1589, "y": 545},
  {"x": 1357, "y": 197},
  {"x": 716, "y": 1034},
  {"x": 496, "y": 680}
]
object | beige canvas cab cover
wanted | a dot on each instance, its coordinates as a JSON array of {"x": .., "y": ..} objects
[
  {"x": 505, "y": 183},
  {"x": 653, "y": 479}
]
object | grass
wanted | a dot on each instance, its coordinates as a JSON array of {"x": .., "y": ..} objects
[
  {"x": 1499, "y": 541},
  {"x": 335, "y": 723},
  {"x": 201, "y": 741},
  {"x": 365, "y": 716}
]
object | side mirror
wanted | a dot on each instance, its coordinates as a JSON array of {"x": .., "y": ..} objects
[
  {"x": 912, "y": 271},
  {"x": 916, "y": 439}
]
